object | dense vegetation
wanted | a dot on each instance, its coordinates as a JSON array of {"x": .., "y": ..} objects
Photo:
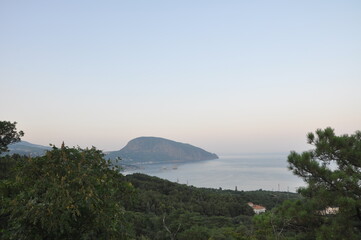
[
  {"x": 74, "y": 193},
  {"x": 8, "y": 135},
  {"x": 331, "y": 207},
  {"x": 194, "y": 213},
  {"x": 67, "y": 194},
  {"x": 63, "y": 196}
]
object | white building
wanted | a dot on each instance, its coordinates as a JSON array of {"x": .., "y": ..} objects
[
  {"x": 329, "y": 211},
  {"x": 257, "y": 208}
]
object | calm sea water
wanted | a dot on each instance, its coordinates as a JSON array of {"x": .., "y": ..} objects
[{"x": 246, "y": 172}]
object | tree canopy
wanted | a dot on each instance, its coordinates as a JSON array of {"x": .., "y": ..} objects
[
  {"x": 333, "y": 173},
  {"x": 67, "y": 194},
  {"x": 73, "y": 193},
  {"x": 8, "y": 135},
  {"x": 331, "y": 206}
]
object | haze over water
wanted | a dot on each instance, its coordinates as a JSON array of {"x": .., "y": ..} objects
[{"x": 247, "y": 172}]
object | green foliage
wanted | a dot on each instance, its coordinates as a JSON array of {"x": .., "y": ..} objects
[
  {"x": 332, "y": 172},
  {"x": 75, "y": 194},
  {"x": 194, "y": 213},
  {"x": 7, "y": 164},
  {"x": 8, "y": 135},
  {"x": 67, "y": 194},
  {"x": 195, "y": 233},
  {"x": 291, "y": 220}
]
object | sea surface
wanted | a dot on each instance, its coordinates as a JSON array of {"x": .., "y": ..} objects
[{"x": 244, "y": 171}]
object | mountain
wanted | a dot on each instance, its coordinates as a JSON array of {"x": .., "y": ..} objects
[
  {"x": 26, "y": 148},
  {"x": 138, "y": 150},
  {"x": 155, "y": 149}
]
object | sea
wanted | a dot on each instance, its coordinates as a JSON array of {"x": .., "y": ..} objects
[{"x": 246, "y": 172}]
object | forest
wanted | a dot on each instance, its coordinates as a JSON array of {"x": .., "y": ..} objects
[{"x": 73, "y": 193}]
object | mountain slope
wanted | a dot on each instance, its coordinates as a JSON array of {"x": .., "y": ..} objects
[
  {"x": 26, "y": 148},
  {"x": 154, "y": 149}
]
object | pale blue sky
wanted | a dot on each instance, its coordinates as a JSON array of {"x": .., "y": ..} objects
[{"x": 228, "y": 76}]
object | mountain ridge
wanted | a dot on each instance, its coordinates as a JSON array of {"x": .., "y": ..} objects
[
  {"x": 27, "y": 148},
  {"x": 139, "y": 150},
  {"x": 156, "y": 149}
]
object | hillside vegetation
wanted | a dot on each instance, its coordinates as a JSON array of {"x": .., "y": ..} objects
[
  {"x": 194, "y": 213},
  {"x": 73, "y": 193},
  {"x": 104, "y": 204}
]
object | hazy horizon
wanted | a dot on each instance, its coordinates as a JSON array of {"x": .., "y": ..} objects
[{"x": 230, "y": 77}]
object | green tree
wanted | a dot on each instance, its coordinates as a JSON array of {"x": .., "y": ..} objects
[
  {"x": 195, "y": 233},
  {"x": 67, "y": 194},
  {"x": 8, "y": 135},
  {"x": 294, "y": 219},
  {"x": 332, "y": 171}
]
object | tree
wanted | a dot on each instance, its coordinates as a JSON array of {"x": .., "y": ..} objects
[
  {"x": 67, "y": 194},
  {"x": 333, "y": 173},
  {"x": 293, "y": 219},
  {"x": 8, "y": 135}
]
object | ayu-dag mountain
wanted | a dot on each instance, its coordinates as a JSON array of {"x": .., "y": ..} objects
[
  {"x": 140, "y": 150},
  {"x": 184, "y": 163},
  {"x": 147, "y": 150}
]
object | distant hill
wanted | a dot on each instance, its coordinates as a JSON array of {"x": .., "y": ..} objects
[
  {"x": 155, "y": 149},
  {"x": 138, "y": 150},
  {"x": 26, "y": 148}
]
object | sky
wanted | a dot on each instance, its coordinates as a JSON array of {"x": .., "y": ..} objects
[{"x": 227, "y": 76}]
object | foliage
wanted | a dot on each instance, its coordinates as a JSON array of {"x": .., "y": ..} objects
[
  {"x": 294, "y": 219},
  {"x": 189, "y": 212},
  {"x": 7, "y": 164},
  {"x": 67, "y": 194},
  {"x": 332, "y": 172},
  {"x": 75, "y": 194},
  {"x": 8, "y": 135},
  {"x": 66, "y": 200}
]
